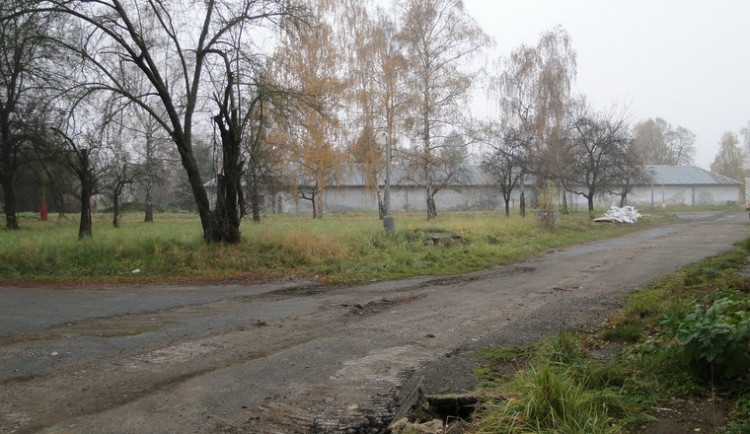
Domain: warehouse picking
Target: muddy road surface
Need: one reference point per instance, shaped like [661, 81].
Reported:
[291, 357]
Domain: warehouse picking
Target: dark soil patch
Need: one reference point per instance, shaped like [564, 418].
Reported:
[681, 416]
[377, 306]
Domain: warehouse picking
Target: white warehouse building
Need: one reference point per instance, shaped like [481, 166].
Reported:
[686, 185]
[668, 186]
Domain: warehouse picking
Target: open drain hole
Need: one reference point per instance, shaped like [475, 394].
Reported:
[450, 407]
[436, 413]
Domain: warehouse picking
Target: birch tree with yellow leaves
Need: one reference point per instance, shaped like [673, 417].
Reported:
[309, 128]
[440, 42]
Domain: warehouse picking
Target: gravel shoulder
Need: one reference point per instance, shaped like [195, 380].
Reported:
[289, 357]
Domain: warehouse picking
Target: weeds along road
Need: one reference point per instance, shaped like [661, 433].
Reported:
[291, 358]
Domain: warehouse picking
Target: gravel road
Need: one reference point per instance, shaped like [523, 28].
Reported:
[292, 357]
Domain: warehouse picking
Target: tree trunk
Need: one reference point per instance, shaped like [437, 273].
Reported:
[87, 189]
[318, 203]
[314, 209]
[199, 192]
[226, 217]
[225, 227]
[522, 200]
[254, 197]
[8, 171]
[85, 228]
[431, 208]
[9, 195]
[625, 190]
[564, 202]
[590, 200]
[255, 205]
[426, 137]
[149, 205]
[429, 191]
[116, 208]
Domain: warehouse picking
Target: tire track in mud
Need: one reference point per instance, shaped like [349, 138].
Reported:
[105, 381]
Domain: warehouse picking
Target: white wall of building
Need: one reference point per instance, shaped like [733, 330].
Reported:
[413, 199]
[404, 199]
[488, 197]
[691, 195]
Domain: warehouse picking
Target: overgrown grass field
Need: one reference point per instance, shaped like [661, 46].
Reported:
[342, 248]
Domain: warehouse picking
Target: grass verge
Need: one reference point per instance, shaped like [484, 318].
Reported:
[687, 337]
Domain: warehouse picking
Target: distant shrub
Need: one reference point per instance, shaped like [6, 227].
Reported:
[547, 207]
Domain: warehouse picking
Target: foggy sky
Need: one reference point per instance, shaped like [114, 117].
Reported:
[686, 62]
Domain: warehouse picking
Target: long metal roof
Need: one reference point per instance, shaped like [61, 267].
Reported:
[687, 175]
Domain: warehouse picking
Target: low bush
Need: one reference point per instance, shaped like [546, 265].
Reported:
[739, 422]
[714, 335]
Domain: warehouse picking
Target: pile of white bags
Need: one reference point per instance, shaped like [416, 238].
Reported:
[626, 214]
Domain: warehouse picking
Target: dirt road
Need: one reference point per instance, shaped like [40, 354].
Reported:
[289, 357]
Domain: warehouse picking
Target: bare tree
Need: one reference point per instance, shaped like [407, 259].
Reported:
[152, 162]
[115, 176]
[244, 120]
[657, 142]
[448, 164]
[631, 172]
[22, 54]
[226, 216]
[263, 173]
[599, 146]
[533, 94]
[131, 132]
[507, 159]
[681, 142]
[171, 45]
[59, 184]
[439, 39]
[140, 134]
[79, 148]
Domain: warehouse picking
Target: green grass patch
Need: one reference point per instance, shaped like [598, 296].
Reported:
[559, 390]
[346, 248]
[624, 332]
